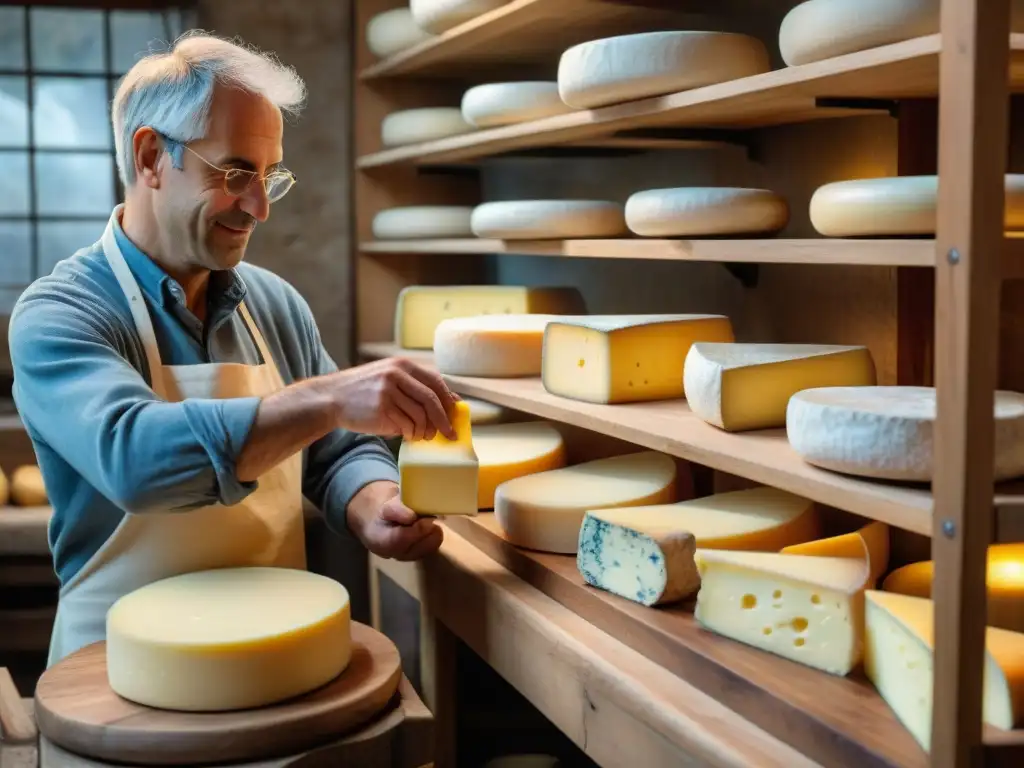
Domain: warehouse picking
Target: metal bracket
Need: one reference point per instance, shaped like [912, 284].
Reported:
[747, 274]
[892, 106]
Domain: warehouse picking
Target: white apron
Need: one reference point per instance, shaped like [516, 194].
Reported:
[266, 528]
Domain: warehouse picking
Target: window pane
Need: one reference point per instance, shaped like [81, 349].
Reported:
[68, 183]
[7, 298]
[12, 38]
[135, 34]
[14, 180]
[67, 40]
[15, 253]
[60, 239]
[70, 112]
[13, 111]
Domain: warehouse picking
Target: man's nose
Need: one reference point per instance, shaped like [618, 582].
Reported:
[255, 201]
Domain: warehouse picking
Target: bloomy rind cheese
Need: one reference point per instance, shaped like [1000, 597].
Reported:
[493, 104]
[705, 212]
[874, 536]
[508, 451]
[440, 476]
[548, 219]
[392, 31]
[422, 221]
[439, 16]
[411, 126]
[500, 346]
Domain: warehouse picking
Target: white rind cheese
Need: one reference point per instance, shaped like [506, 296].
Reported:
[494, 104]
[411, 126]
[439, 16]
[548, 219]
[422, 221]
[705, 212]
[500, 346]
[629, 67]
[393, 31]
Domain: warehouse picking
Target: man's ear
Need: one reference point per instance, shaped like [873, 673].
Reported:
[146, 153]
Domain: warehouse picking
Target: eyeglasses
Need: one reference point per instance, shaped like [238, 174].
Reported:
[237, 180]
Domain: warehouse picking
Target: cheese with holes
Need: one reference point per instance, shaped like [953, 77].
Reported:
[228, 639]
[439, 16]
[629, 67]
[898, 205]
[804, 608]
[392, 31]
[624, 358]
[544, 511]
[440, 476]
[899, 661]
[1004, 584]
[422, 222]
[738, 387]
[411, 126]
[508, 451]
[887, 432]
[645, 553]
[548, 219]
[874, 536]
[421, 308]
[27, 487]
[705, 212]
[494, 104]
[483, 412]
[494, 346]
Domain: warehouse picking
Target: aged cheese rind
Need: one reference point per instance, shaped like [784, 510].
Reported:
[508, 451]
[392, 31]
[705, 212]
[439, 16]
[874, 536]
[494, 104]
[422, 221]
[411, 126]
[494, 346]
[441, 476]
[548, 219]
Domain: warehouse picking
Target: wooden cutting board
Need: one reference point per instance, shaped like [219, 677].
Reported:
[77, 710]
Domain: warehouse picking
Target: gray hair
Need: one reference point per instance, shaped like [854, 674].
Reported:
[171, 92]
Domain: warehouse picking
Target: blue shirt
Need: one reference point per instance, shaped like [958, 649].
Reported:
[107, 446]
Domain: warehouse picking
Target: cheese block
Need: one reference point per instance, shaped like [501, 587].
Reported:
[899, 661]
[440, 476]
[494, 104]
[27, 487]
[1004, 582]
[645, 553]
[804, 608]
[420, 308]
[548, 219]
[392, 31]
[624, 358]
[492, 346]
[508, 451]
[874, 536]
[738, 387]
[613, 70]
[544, 511]
[483, 412]
[439, 16]
[897, 205]
[887, 432]
[228, 639]
[410, 126]
[422, 221]
[705, 212]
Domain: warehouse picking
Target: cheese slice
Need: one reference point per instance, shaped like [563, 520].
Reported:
[410, 126]
[544, 511]
[1004, 582]
[548, 219]
[739, 387]
[27, 487]
[624, 358]
[228, 639]
[483, 412]
[887, 432]
[898, 205]
[508, 451]
[421, 308]
[899, 661]
[874, 536]
[440, 476]
[422, 221]
[494, 104]
[645, 553]
[804, 608]
[705, 212]
[439, 16]
[497, 346]
[392, 31]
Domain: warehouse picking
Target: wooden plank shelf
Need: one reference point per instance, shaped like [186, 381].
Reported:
[23, 530]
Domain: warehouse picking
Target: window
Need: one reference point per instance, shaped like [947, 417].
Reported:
[59, 68]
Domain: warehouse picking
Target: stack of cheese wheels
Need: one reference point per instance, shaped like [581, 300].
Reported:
[897, 205]
[548, 219]
[508, 451]
[422, 221]
[629, 67]
[393, 31]
[498, 346]
[493, 104]
[439, 16]
[409, 126]
[705, 211]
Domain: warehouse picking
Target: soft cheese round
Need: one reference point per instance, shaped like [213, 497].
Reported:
[228, 639]
[705, 211]
[629, 67]
[508, 451]
[493, 104]
[422, 221]
[500, 346]
[410, 126]
[548, 219]
[887, 432]
[392, 31]
[439, 16]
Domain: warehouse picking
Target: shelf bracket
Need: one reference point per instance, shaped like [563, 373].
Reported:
[747, 274]
[891, 106]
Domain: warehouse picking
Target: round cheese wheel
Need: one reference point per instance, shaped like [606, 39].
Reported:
[422, 221]
[508, 451]
[895, 205]
[548, 219]
[410, 126]
[27, 487]
[499, 346]
[438, 16]
[496, 104]
[392, 31]
[886, 432]
[228, 639]
[629, 67]
[483, 412]
[705, 211]
[4, 489]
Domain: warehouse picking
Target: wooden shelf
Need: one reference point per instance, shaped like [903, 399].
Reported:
[23, 530]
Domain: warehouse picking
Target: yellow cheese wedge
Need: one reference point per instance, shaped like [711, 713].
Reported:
[624, 358]
[440, 476]
[420, 308]
[27, 487]
[228, 639]
[544, 511]
[899, 660]
[483, 412]
[1004, 584]
[874, 536]
[508, 451]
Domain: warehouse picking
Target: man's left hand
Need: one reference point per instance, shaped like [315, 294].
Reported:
[388, 528]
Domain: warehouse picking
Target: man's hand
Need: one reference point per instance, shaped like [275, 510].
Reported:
[388, 528]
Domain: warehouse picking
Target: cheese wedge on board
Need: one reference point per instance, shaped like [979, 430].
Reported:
[624, 358]
[548, 219]
[508, 451]
[411, 126]
[440, 476]
[392, 31]
[422, 222]
[494, 104]
[491, 346]
[705, 212]
[874, 536]
[739, 387]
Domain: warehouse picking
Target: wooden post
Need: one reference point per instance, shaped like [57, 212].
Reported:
[973, 132]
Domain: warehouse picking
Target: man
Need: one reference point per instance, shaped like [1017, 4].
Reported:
[180, 401]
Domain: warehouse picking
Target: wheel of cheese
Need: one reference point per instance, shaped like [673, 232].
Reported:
[438, 16]
[228, 639]
[410, 126]
[483, 412]
[392, 31]
[548, 219]
[508, 451]
[27, 487]
[496, 104]
[629, 67]
[422, 221]
[886, 432]
[4, 489]
[705, 211]
[500, 346]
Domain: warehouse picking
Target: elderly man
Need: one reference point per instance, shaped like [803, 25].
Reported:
[179, 400]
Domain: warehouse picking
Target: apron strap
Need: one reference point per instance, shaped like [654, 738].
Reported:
[257, 336]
